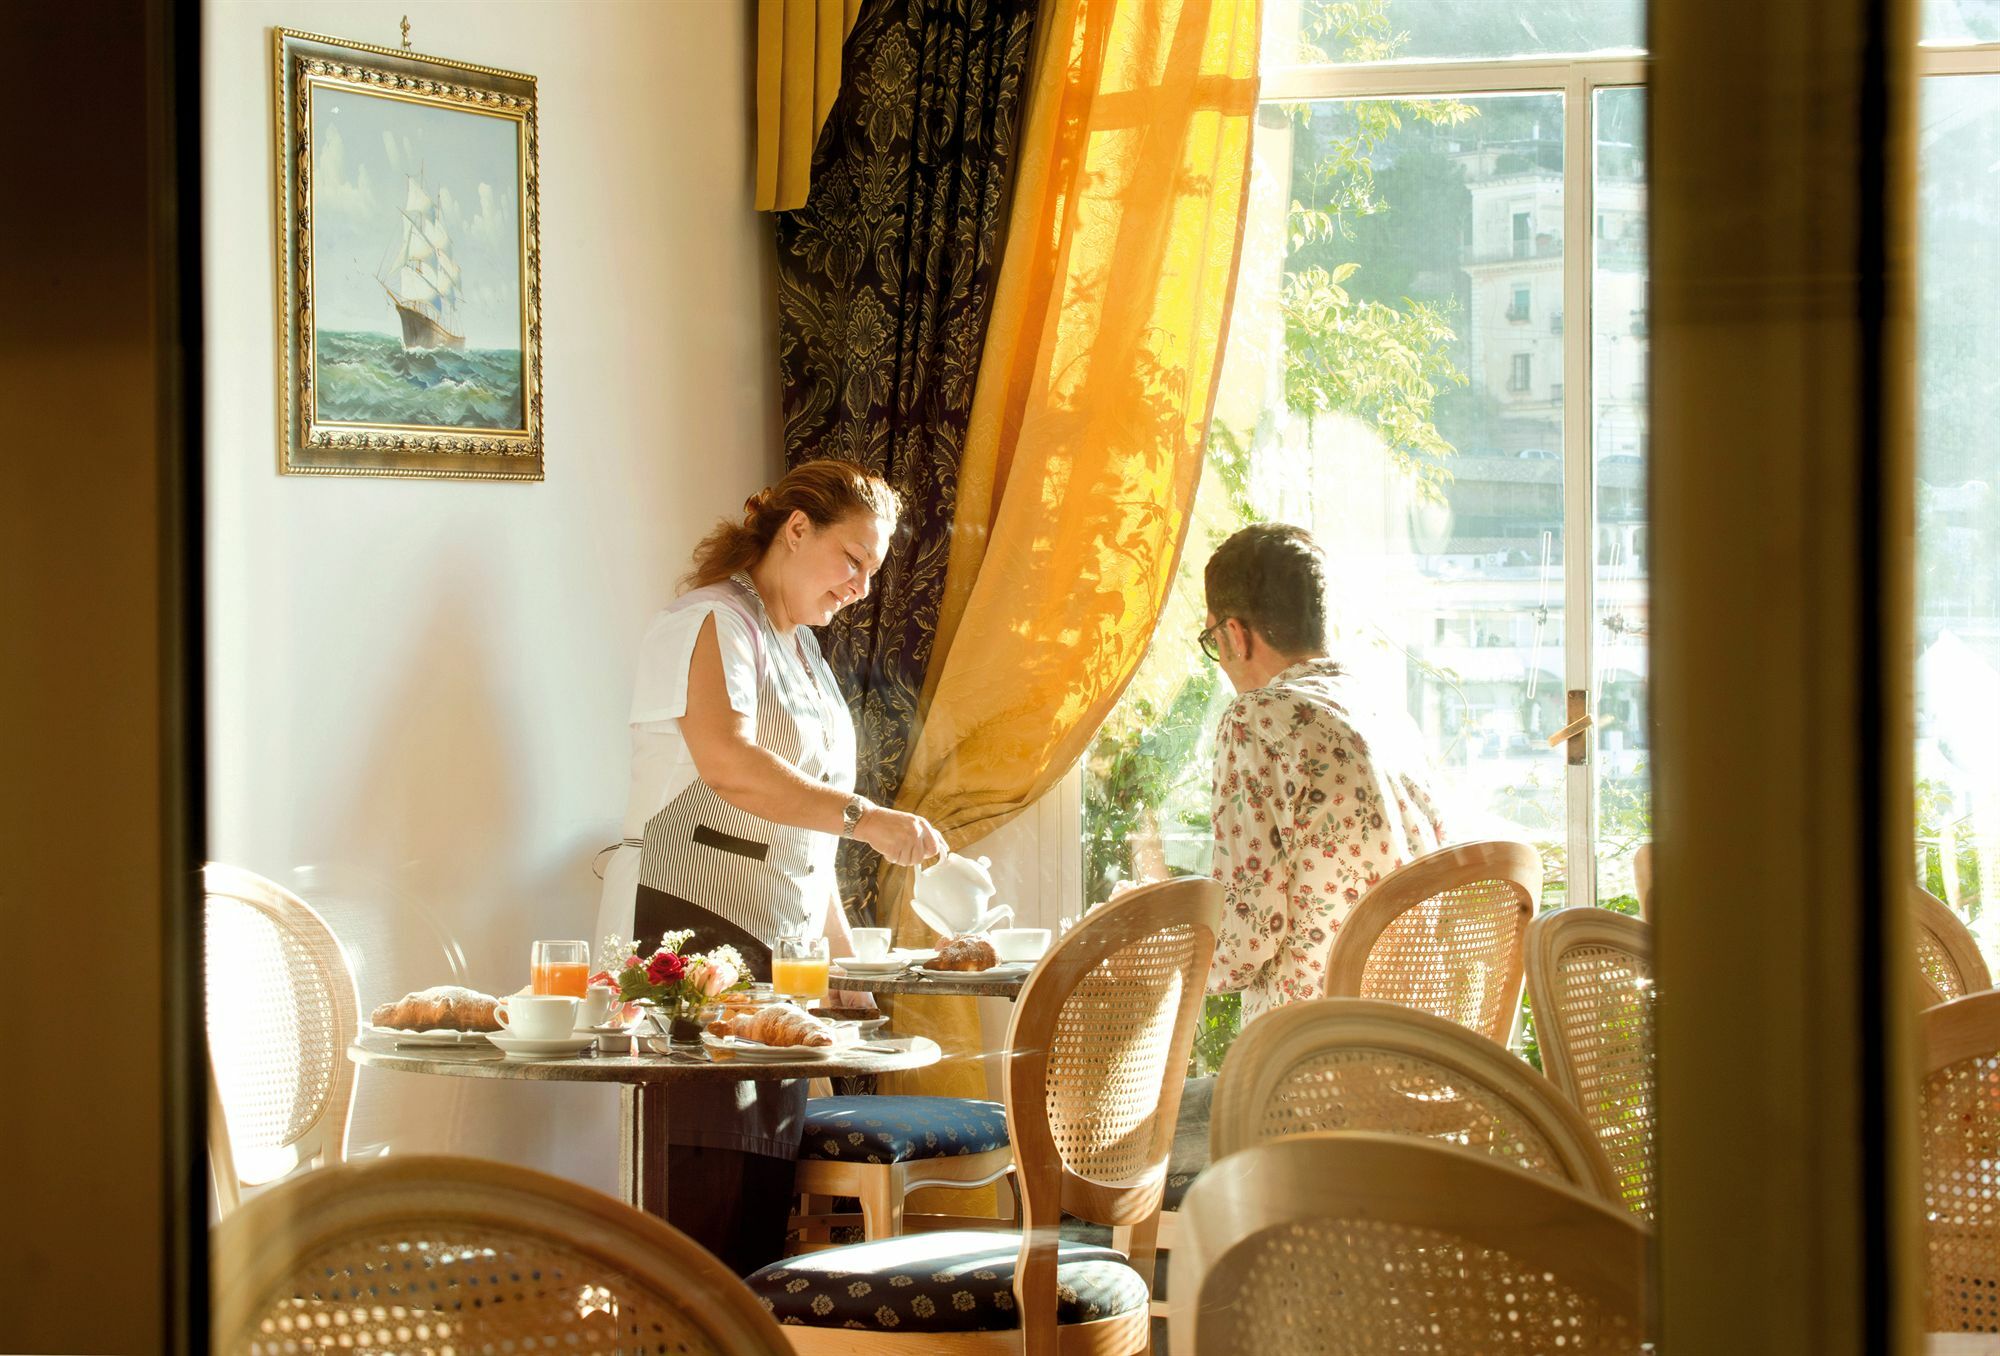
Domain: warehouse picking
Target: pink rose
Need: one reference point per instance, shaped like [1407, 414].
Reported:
[714, 979]
[666, 968]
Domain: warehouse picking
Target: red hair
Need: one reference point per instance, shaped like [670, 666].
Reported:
[827, 491]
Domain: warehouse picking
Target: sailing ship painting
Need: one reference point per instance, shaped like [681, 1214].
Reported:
[427, 283]
[418, 317]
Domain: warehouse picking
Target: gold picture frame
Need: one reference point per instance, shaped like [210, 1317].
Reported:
[409, 256]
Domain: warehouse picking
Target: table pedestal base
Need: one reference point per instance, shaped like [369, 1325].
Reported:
[642, 1146]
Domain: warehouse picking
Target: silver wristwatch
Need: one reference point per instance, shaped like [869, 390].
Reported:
[850, 815]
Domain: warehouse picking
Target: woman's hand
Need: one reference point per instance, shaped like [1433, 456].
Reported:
[906, 840]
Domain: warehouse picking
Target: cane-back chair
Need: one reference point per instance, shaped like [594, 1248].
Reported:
[281, 1011]
[1443, 934]
[1096, 1055]
[1949, 962]
[459, 1254]
[1361, 1064]
[1960, 1132]
[1348, 1242]
[1590, 985]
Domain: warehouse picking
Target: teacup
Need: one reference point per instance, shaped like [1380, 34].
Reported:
[595, 1008]
[870, 944]
[537, 1016]
[1019, 944]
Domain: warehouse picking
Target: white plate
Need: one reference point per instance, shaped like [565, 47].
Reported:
[522, 1047]
[608, 1030]
[438, 1037]
[752, 1052]
[1004, 970]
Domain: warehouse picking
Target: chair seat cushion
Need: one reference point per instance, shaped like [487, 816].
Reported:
[949, 1281]
[900, 1129]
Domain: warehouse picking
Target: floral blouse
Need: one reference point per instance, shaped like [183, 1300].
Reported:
[1316, 799]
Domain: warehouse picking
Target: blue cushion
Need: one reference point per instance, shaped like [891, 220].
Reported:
[950, 1281]
[899, 1129]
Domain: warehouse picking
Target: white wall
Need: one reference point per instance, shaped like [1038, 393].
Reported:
[417, 690]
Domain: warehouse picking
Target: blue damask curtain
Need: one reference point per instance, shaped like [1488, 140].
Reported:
[885, 280]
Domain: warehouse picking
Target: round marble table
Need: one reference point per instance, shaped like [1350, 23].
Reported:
[645, 1082]
[966, 983]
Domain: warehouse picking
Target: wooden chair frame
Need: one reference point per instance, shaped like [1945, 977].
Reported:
[1270, 1048]
[1048, 1186]
[882, 1188]
[1415, 883]
[1550, 937]
[255, 1250]
[324, 1140]
[1955, 941]
[1595, 1247]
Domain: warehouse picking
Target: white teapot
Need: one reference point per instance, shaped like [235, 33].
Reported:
[951, 896]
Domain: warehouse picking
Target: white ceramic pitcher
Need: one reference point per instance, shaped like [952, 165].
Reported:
[952, 896]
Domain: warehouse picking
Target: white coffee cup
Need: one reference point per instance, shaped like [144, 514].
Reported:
[537, 1016]
[1019, 944]
[870, 944]
[596, 1005]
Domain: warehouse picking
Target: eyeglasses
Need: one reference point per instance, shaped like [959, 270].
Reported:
[1206, 640]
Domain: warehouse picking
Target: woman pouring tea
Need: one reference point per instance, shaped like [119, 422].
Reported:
[742, 787]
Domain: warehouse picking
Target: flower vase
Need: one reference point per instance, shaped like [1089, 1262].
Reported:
[676, 1021]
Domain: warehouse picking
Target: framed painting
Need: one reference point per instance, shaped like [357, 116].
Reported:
[409, 264]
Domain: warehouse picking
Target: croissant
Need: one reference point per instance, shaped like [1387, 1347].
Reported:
[779, 1024]
[965, 953]
[446, 1007]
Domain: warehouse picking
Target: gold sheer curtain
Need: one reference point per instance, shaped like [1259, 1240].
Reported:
[798, 73]
[1092, 403]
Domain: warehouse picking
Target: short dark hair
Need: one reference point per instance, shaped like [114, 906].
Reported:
[1272, 578]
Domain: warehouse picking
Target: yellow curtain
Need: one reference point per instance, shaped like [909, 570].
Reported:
[798, 74]
[1092, 404]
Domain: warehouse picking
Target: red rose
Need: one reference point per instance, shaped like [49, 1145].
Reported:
[666, 968]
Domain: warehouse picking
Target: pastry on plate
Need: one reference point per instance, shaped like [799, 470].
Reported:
[965, 953]
[445, 1007]
[778, 1024]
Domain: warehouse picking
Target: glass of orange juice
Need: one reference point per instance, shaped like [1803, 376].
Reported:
[560, 967]
[798, 967]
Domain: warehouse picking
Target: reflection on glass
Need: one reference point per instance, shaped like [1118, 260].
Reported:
[1958, 493]
[1621, 753]
[1343, 32]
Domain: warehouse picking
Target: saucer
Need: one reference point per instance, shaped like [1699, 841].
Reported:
[607, 1030]
[902, 958]
[524, 1047]
[752, 1052]
[1004, 970]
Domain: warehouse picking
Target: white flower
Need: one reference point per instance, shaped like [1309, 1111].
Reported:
[727, 955]
[674, 941]
[611, 953]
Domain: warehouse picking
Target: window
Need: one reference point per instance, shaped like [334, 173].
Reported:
[1461, 516]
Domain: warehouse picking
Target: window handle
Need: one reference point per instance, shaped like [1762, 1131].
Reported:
[1575, 734]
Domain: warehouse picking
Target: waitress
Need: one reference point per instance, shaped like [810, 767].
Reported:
[742, 787]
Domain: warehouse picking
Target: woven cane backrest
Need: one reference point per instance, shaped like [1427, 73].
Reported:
[281, 1011]
[1444, 934]
[1590, 984]
[1360, 1064]
[1960, 1135]
[452, 1254]
[1328, 1244]
[1948, 957]
[1098, 1051]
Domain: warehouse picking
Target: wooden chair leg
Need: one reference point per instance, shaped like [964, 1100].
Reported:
[815, 1230]
[881, 1199]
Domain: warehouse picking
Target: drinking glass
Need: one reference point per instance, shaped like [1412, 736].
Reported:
[798, 967]
[560, 967]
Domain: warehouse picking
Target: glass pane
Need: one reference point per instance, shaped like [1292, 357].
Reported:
[1393, 383]
[1342, 32]
[1623, 784]
[1958, 496]
[1958, 22]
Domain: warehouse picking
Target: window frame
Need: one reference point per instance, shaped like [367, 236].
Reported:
[1578, 79]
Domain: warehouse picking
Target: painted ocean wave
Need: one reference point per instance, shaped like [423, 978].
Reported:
[371, 379]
